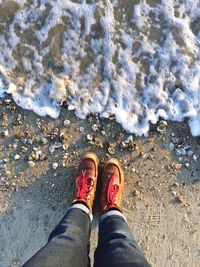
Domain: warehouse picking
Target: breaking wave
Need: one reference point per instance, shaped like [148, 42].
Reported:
[137, 60]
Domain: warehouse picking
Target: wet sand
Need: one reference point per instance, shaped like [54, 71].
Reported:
[161, 198]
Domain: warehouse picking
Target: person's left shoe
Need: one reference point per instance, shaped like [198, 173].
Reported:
[86, 180]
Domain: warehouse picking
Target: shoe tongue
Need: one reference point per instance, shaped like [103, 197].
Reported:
[116, 176]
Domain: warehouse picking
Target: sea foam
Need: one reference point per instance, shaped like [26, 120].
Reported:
[136, 60]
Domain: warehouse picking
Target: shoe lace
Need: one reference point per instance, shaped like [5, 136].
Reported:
[84, 185]
[112, 190]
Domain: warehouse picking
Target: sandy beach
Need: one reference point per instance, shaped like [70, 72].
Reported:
[38, 157]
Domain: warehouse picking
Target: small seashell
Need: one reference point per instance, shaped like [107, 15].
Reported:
[90, 137]
[5, 133]
[187, 165]
[57, 144]
[30, 141]
[65, 146]
[124, 145]
[16, 157]
[176, 166]
[31, 163]
[55, 165]
[111, 150]
[15, 145]
[143, 155]
[98, 142]
[66, 123]
[63, 137]
[129, 139]
[195, 157]
[180, 198]
[162, 126]
[51, 149]
[95, 127]
[37, 155]
[24, 149]
[30, 157]
[81, 129]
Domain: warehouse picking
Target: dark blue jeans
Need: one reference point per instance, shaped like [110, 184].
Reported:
[68, 244]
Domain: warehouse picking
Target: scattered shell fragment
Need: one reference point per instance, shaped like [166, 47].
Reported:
[66, 123]
[128, 143]
[180, 198]
[5, 133]
[63, 137]
[95, 127]
[174, 193]
[57, 144]
[187, 165]
[176, 166]
[51, 149]
[30, 141]
[15, 146]
[31, 163]
[55, 165]
[65, 146]
[90, 137]
[195, 157]
[81, 129]
[162, 125]
[111, 149]
[98, 142]
[16, 157]
[24, 149]
[124, 145]
[136, 193]
[129, 139]
[37, 154]
[143, 155]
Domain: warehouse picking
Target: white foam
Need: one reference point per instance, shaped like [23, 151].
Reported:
[137, 62]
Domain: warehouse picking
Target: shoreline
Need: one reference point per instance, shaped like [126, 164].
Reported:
[161, 198]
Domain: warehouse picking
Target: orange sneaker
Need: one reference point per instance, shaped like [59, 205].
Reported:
[86, 180]
[113, 185]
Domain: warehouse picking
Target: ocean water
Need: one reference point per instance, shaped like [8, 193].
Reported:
[138, 60]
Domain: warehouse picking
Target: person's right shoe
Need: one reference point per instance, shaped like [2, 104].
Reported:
[86, 180]
[112, 186]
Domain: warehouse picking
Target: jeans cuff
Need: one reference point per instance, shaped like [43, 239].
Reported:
[111, 213]
[81, 207]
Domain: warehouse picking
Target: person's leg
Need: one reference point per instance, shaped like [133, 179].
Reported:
[117, 246]
[68, 244]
